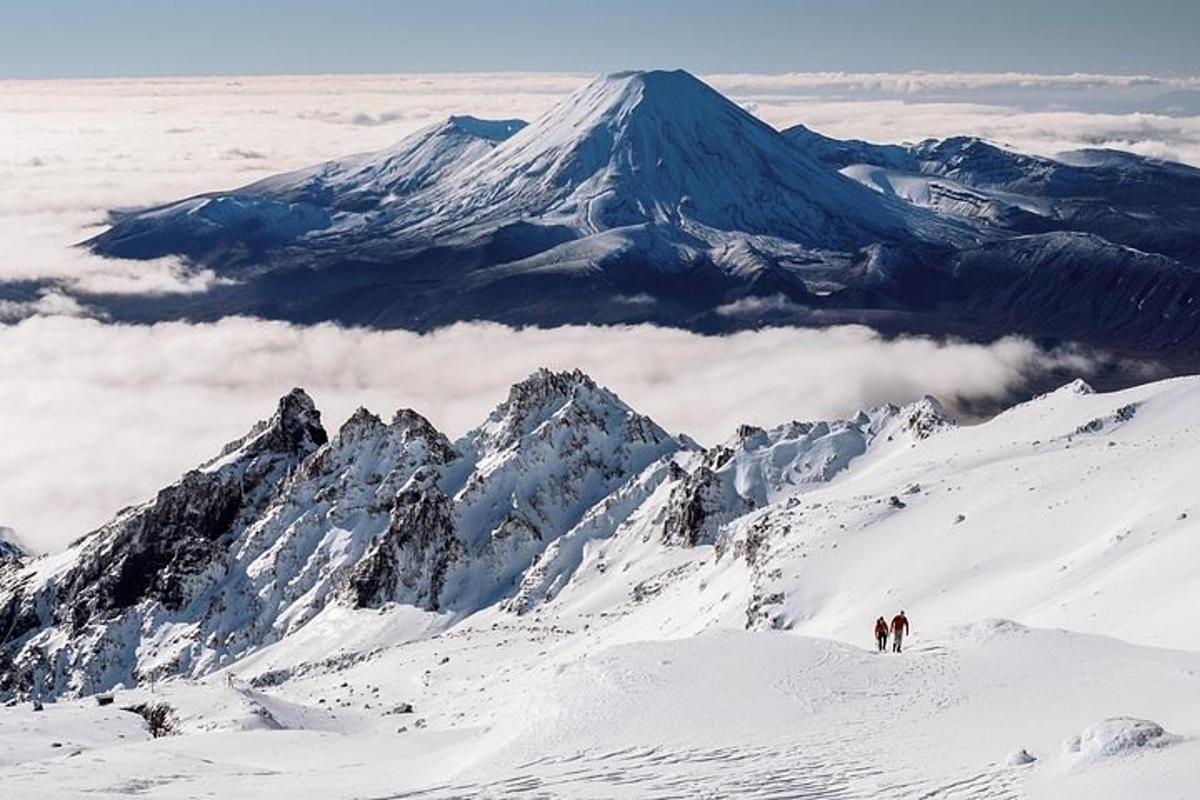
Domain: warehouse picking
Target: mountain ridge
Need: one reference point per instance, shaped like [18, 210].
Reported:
[288, 521]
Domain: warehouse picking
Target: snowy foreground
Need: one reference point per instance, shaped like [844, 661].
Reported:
[691, 634]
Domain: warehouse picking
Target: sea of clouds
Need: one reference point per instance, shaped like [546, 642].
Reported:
[94, 416]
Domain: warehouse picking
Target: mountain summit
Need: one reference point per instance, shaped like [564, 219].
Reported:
[663, 148]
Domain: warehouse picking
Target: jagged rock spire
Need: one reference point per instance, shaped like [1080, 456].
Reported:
[295, 427]
[256, 543]
[531, 401]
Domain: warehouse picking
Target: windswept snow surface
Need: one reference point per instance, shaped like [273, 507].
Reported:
[703, 627]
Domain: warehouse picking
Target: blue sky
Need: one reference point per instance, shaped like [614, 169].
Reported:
[50, 38]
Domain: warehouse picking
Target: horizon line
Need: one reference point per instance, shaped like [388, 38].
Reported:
[1071, 75]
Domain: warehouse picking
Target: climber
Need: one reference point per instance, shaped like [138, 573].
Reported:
[881, 633]
[899, 628]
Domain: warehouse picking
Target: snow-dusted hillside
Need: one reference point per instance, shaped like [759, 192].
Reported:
[649, 197]
[1128, 200]
[571, 602]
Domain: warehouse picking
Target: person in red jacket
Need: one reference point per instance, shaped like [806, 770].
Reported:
[881, 633]
[899, 628]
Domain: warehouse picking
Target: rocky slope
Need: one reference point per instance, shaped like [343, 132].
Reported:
[707, 622]
[289, 521]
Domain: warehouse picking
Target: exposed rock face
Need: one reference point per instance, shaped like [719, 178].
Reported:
[699, 504]
[163, 550]
[410, 559]
[152, 560]
[287, 521]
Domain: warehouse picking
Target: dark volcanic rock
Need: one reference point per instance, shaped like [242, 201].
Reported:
[410, 559]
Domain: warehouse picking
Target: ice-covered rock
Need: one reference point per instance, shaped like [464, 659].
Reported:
[1118, 736]
[758, 467]
[87, 608]
[1020, 758]
[555, 448]
[630, 507]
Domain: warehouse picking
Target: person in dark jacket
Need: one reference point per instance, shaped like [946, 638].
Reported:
[899, 629]
[881, 633]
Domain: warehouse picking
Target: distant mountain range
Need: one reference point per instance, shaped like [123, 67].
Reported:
[650, 197]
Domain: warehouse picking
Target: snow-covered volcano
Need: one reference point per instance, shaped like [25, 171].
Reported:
[650, 197]
[629, 149]
[663, 148]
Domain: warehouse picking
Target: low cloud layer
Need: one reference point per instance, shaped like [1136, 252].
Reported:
[1079, 90]
[99, 416]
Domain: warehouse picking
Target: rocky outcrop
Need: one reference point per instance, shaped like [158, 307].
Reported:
[256, 542]
[159, 556]
[163, 550]
[411, 558]
[287, 521]
[757, 467]
[700, 503]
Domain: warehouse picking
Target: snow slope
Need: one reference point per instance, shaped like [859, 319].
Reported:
[623, 614]
[503, 713]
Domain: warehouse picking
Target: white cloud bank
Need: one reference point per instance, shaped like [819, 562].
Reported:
[95, 416]
[98, 416]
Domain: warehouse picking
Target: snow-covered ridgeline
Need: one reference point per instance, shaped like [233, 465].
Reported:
[287, 520]
[568, 503]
